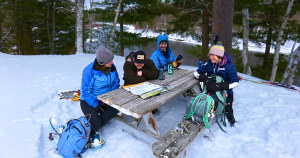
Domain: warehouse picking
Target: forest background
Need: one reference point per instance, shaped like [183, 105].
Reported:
[62, 27]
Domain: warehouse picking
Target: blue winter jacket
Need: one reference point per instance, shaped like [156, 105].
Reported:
[228, 72]
[95, 82]
[159, 57]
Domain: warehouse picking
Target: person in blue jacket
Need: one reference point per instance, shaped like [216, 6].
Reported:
[221, 65]
[98, 77]
[164, 55]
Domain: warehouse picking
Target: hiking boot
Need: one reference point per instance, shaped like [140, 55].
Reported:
[231, 120]
[96, 141]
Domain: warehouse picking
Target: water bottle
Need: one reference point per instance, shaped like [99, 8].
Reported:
[161, 73]
[170, 69]
[200, 63]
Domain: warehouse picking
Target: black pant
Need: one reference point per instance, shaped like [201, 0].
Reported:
[98, 121]
[228, 107]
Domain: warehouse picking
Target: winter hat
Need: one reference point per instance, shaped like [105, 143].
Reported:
[217, 50]
[139, 57]
[166, 41]
[104, 56]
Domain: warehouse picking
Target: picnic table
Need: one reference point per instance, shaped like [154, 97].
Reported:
[140, 109]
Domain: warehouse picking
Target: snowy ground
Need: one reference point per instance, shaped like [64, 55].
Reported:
[268, 117]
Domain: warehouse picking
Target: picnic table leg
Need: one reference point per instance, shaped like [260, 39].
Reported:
[197, 88]
[151, 124]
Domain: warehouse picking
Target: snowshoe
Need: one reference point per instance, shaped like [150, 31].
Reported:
[96, 141]
[74, 95]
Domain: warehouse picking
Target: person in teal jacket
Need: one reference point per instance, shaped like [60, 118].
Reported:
[98, 77]
[164, 55]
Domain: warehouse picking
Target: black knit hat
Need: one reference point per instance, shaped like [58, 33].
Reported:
[166, 41]
[139, 57]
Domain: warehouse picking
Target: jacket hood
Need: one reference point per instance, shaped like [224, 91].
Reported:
[163, 37]
[129, 56]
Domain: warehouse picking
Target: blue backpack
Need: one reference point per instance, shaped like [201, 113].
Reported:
[75, 138]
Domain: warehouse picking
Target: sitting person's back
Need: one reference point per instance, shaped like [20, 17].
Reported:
[137, 68]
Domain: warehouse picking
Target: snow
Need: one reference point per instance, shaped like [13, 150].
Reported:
[268, 117]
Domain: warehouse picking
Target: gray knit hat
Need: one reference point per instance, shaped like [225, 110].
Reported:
[104, 56]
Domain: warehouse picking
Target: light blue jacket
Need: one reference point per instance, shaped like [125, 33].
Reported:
[159, 57]
[95, 82]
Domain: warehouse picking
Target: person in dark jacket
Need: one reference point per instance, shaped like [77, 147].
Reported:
[137, 68]
[164, 55]
[98, 77]
[221, 65]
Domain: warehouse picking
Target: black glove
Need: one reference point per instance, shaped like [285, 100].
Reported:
[179, 59]
[217, 87]
[101, 108]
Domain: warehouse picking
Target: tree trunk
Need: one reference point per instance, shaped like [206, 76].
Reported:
[79, 26]
[289, 66]
[53, 27]
[121, 31]
[294, 67]
[279, 40]
[223, 22]
[245, 41]
[114, 25]
[17, 27]
[269, 39]
[205, 32]
[91, 27]
[48, 29]
[76, 2]
[83, 41]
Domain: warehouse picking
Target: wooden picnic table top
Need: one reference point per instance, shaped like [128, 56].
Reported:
[135, 106]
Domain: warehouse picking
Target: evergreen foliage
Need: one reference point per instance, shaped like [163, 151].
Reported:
[29, 35]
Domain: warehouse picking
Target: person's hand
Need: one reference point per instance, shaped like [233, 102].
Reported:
[139, 73]
[179, 59]
[217, 87]
[102, 108]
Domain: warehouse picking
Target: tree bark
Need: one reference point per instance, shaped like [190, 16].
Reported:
[17, 27]
[223, 22]
[48, 29]
[205, 31]
[114, 25]
[53, 27]
[83, 41]
[279, 40]
[79, 26]
[289, 66]
[294, 67]
[91, 27]
[121, 31]
[269, 38]
[245, 41]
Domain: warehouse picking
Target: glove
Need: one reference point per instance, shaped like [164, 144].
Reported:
[217, 87]
[102, 108]
[179, 59]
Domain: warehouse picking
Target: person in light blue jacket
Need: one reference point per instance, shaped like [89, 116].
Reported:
[98, 77]
[164, 55]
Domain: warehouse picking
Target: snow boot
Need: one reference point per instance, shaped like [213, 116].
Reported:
[96, 141]
[231, 120]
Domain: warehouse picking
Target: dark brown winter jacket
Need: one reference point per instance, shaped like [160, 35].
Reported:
[149, 71]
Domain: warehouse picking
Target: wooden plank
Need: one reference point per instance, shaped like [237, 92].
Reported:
[162, 99]
[175, 88]
[176, 141]
[151, 124]
[134, 126]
